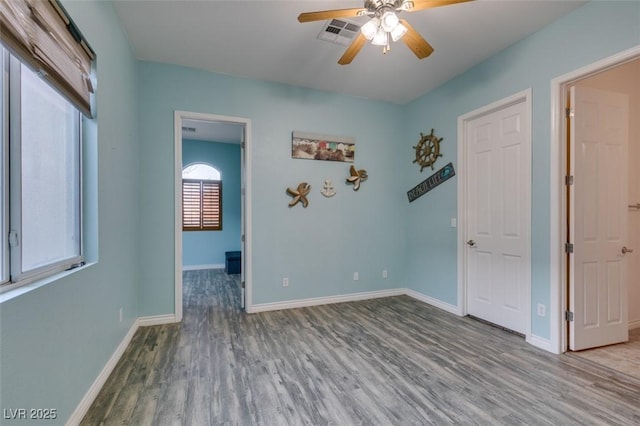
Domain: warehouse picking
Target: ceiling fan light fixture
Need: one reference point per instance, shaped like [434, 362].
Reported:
[370, 29]
[397, 33]
[389, 20]
[380, 39]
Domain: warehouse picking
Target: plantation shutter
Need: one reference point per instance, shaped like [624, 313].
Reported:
[211, 217]
[201, 205]
[42, 35]
[190, 205]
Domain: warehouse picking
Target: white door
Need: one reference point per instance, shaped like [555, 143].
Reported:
[598, 218]
[498, 204]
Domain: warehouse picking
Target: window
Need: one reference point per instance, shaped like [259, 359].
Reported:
[201, 198]
[41, 177]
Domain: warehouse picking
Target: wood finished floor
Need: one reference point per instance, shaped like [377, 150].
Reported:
[392, 361]
[623, 357]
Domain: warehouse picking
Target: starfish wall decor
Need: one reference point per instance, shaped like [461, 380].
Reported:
[357, 176]
[300, 195]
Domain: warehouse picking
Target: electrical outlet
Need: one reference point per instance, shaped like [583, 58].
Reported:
[541, 310]
[356, 277]
[385, 275]
[285, 282]
[120, 314]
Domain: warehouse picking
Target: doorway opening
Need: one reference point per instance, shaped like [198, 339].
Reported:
[617, 77]
[216, 241]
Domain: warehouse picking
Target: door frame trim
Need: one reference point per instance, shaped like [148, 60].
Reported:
[245, 210]
[463, 120]
[558, 192]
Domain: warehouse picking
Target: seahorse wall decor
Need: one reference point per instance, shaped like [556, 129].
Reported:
[300, 195]
[357, 176]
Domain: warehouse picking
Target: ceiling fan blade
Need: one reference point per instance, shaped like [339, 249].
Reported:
[428, 4]
[353, 49]
[414, 41]
[323, 15]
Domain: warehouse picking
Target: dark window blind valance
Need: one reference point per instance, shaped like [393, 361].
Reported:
[43, 36]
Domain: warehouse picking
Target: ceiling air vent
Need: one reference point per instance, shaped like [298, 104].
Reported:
[188, 129]
[339, 31]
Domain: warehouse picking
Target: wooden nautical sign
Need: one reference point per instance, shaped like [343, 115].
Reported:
[442, 175]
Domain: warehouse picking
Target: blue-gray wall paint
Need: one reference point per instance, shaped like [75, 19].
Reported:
[317, 248]
[592, 32]
[57, 338]
[208, 247]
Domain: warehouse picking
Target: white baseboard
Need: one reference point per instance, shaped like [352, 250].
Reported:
[92, 393]
[314, 301]
[200, 267]
[157, 320]
[453, 309]
[302, 303]
[634, 324]
[541, 343]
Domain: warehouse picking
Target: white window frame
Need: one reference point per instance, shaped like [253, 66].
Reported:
[4, 166]
[11, 252]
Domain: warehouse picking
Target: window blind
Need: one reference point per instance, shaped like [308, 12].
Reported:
[42, 35]
[201, 205]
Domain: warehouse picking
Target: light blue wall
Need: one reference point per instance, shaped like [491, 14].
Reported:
[56, 339]
[595, 31]
[317, 248]
[208, 247]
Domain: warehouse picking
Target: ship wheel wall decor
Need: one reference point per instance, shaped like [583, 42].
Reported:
[427, 150]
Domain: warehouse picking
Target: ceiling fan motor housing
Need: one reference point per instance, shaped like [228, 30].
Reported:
[379, 7]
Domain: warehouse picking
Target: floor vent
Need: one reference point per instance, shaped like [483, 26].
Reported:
[339, 31]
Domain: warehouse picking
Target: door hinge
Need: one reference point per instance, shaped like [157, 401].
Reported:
[568, 112]
[242, 238]
[568, 180]
[242, 284]
[242, 145]
[13, 239]
[568, 248]
[568, 316]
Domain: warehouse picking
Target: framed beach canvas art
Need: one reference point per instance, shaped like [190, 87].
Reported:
[311, 146]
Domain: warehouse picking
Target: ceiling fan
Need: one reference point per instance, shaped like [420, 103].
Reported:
[384, 26]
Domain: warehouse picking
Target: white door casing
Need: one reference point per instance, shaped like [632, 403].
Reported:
[243, 218]
[598, 218]
[496, 211]
[245, 210]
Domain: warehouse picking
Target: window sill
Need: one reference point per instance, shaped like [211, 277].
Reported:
[19, 291]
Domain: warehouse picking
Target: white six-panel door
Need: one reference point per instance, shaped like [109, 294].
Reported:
[498, 205]
[598, 211]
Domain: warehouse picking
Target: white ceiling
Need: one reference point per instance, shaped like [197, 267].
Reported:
[262, 39]
[212, 131]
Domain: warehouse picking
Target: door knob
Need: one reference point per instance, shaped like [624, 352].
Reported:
[626, 250]
[471, 243]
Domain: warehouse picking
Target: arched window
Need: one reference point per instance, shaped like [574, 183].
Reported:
[201, 198]
[200, 171]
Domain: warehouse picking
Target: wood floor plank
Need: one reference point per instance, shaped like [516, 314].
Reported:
[382, 361]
